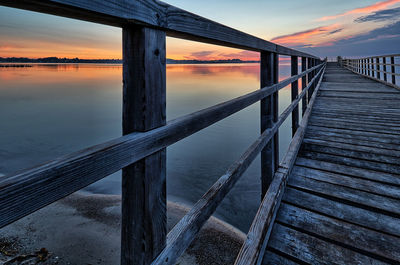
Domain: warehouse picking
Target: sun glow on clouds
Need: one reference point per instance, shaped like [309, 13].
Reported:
[345, 26]
[362, 10]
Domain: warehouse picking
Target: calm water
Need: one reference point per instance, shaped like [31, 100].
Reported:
[51, 110]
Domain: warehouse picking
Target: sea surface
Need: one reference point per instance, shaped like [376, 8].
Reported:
[49, 110]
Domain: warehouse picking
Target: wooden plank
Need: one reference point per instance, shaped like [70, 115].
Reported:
[382, 246]
[267, 119]
[349, 213]
[346, 125]
[363, 152]
[353, 162]
[365, 116]
[144, 212]
[312, 250]
[25, 190]
[271, 258]
[358, 183]
[347, 195]
[369, 136]
[349, 171]
[176, 22]
[353, 120]
[295, 92]
[350, 139]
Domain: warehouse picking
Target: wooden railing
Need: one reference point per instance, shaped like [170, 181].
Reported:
[379, 68]
[141, 151]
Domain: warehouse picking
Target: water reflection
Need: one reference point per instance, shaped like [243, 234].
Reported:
[54, 109]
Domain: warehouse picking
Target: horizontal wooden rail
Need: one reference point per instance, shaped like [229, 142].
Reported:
[180, 237]
[30, 190]
[152, 13]
[373, 67]
[254, 246]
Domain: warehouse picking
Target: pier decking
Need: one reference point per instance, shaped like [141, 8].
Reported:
[341, 204]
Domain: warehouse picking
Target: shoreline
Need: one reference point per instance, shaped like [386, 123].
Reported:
[68, 229]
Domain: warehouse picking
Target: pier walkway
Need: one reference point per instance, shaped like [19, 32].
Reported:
[341, 204]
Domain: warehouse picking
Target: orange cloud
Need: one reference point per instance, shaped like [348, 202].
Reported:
[368, 9]
[305, 37]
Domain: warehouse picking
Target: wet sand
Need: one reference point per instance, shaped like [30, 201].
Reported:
[85, 229]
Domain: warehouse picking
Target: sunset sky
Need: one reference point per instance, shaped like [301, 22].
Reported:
[324, 28]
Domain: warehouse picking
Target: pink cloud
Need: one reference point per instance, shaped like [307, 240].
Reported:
[367, 9]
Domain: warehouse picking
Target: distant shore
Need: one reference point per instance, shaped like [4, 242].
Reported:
[21, 60]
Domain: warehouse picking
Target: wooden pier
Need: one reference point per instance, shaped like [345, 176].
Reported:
[342, 200]
[333, 198]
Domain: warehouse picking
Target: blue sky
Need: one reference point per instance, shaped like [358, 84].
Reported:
[325, 28]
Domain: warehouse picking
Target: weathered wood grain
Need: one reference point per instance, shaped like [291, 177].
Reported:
[144, 212]
[368, 200]
[266, 121]
[382, 246]
[176, 22]
[349, 213]
[271, 258]
[294, 93]
[349, 181]
[303, 84]
[312, 250]
[349, 170]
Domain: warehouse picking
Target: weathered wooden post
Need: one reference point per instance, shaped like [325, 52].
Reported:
[303, 84]
[276, 108]
[378, 68]
[267, 116]
[369, 67]
[372, 67]
[295, 92]
[384, 69]
[393, 70]
[309, 78]
[144, 219]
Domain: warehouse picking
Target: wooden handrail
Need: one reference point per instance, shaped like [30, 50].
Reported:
[153, 13]
[20, 193]
[371, 67]
[187, 228]
[254, 246]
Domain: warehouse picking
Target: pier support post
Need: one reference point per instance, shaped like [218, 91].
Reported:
[378, 68]
[384, 68]
[393, 70]
[303, 85]
[295, 93]
[144, 220]
[309, 78]
[369, 67]
[268, 109]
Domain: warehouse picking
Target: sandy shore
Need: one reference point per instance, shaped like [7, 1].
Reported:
[85, 229]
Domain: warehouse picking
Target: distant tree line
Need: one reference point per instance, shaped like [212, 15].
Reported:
[109, 61]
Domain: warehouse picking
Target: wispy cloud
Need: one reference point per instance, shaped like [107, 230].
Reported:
[305, 37]
[383, 15]
[362, 10]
